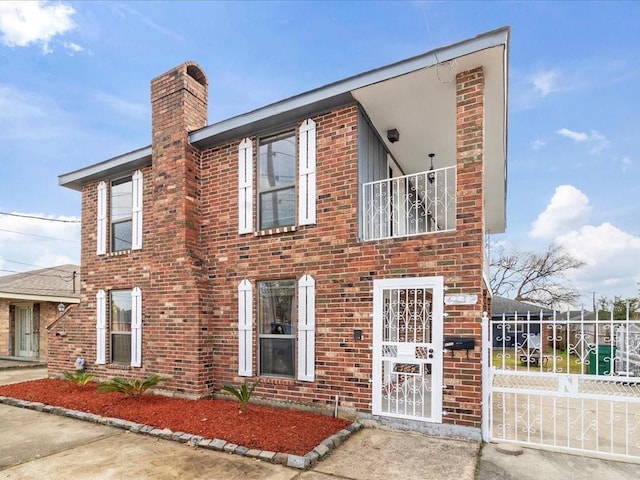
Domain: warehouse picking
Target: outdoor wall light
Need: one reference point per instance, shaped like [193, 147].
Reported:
[431, 176]
[393, 135]
[61, 307]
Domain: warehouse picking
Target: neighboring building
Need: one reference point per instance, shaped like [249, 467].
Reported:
[29, 303]
[307, 243]
[514, 322]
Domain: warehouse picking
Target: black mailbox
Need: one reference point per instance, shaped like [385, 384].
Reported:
[458, 343]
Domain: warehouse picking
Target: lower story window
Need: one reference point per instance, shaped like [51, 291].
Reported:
[276, 327]
[121, 326]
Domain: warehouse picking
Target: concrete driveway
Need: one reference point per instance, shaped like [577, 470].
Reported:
[41, 445]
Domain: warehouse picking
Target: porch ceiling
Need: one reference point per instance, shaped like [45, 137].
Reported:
[421, 106]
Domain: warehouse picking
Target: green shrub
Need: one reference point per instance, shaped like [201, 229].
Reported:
[130, 388]
[243, 394]
[79, 378]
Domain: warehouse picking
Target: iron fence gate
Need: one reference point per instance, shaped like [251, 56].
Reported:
[566, 382]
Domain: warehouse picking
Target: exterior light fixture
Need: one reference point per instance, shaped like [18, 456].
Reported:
[431, 176]
[393, 135]
[61, 307]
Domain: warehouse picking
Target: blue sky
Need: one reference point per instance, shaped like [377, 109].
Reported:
[74, 90]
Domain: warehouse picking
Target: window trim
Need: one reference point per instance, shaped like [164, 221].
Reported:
[112, 333]
[290, 336]
[121, 219]
[262, 140]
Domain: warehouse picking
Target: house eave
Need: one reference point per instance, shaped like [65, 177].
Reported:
[39, 298]
[286, 111]
[112, 167]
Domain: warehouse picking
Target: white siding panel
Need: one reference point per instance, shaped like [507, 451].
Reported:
[306, 328]
[307, 173]
[245, 329]
[101, 327]
[101, 234]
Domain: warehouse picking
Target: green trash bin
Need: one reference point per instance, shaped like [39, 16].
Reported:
[600, 362]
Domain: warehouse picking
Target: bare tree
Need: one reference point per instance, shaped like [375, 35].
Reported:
[534, 277]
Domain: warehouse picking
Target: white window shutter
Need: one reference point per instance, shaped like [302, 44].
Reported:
[136, 327]
[136, 223]
[101, 327]
[101, 247]
[245, 186]
[307, 173]
[306, 328]
[245, 329]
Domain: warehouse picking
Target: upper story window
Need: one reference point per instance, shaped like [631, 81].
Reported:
[121, 214]
[277, 181]
[286, 184]
[120, 226]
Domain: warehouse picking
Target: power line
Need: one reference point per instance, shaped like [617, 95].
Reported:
[67, 278]
[39, 236]
[31, 265]
[35, 217]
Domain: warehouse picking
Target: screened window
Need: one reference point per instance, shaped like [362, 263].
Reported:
[121, 214]
[277, 181]
[121, 326]
[276, 327]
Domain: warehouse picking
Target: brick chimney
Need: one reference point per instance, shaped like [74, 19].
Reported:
[178, 106]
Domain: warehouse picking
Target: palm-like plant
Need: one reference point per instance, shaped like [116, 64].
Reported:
[80, 378]
[243, 394]
[130, 388]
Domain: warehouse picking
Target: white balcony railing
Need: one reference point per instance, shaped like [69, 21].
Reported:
[415, 204]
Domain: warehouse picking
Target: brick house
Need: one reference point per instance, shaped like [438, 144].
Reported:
[307, 244]
[29, 303]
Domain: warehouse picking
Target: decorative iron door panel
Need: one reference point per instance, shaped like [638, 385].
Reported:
[407, 348]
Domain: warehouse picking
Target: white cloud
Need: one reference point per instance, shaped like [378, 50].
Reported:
[626, 163]
[567, 210]
[545, 83]
[40, 243]
[597, 141]
[612, 259]
[538, 144]
[576, 136]
[37, 22]
[611, 255]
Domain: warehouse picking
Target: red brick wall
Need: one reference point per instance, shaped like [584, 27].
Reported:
[193, 260]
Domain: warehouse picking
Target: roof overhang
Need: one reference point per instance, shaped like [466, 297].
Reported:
[39, 298]
[114, 166]
[413, 96]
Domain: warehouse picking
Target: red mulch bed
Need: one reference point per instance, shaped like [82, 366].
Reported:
[262, 428]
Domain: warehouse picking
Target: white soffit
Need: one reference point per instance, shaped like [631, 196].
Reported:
[421, 105]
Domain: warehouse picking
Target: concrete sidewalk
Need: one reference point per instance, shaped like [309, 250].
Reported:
[42, 445]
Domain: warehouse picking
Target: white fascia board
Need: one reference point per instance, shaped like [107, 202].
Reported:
[39, 298]
[116, 165]
[324, 95]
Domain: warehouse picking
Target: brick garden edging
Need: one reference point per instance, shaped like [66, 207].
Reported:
[296, 461]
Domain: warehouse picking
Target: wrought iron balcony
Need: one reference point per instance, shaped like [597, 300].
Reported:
[414, 204]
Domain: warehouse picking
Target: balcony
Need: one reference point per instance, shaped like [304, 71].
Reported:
[411, 205]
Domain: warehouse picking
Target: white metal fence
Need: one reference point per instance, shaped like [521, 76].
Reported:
[410, 205]
[568, 382]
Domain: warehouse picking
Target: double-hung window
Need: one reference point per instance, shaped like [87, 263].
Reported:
[121, 214]
[124, 216]
[277, 327]
[119, 329]
[121, 307]
[277, 181]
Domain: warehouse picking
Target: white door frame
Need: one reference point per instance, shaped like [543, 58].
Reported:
[24, 332]
[423, 356]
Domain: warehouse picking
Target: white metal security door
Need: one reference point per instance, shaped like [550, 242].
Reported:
[26, 341]
[407, 348]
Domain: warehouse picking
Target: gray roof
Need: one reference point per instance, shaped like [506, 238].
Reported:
[55, 284]
[500, 305]
[319, 99]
